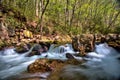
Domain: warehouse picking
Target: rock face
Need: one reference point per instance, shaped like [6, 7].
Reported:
[85, 42]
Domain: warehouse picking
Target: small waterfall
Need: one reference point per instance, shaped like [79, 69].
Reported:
[103, 65]
[59, 52]
[61, 49]
[10, 51]
[13, 63]
[104, 49]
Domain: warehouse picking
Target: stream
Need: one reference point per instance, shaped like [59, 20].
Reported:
[102, 64]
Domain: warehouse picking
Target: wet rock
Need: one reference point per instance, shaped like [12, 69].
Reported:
[40, 48]
[83, 43]
[37, 50]
[115, 45]
[45, 46]
[113, 40]
[69, 56]
[43, 65]
[56, 74]
[37, 47]
[21, 48]
[46, 65]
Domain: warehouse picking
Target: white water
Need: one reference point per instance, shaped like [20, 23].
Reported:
[12, 63]
[103, 64]
[59, 52]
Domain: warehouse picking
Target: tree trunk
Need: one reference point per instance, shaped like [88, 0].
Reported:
[73, 12]
[43, 9]
[67, 13]
[37, 8]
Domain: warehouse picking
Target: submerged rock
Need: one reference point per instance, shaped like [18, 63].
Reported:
[57, 73]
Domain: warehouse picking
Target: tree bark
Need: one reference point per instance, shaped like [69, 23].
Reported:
[37, 8]
[43, 9]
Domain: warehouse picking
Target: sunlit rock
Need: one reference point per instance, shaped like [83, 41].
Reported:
[62, 39]
[28, 34]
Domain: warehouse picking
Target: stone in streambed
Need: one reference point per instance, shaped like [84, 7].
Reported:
[57, 73]
[83, 43]
[46, 65]
[69, 56]
[22, 48]
[43, 65]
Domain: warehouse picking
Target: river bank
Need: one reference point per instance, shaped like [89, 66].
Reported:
[82, 43]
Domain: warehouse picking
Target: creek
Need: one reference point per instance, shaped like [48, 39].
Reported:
[103, 63]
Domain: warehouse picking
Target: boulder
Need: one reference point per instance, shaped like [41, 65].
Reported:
[43, 65]
[23, 47]
[83, 43]
[47, 65]
[56, 74]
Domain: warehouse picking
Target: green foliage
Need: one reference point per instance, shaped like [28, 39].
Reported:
[117, 30]
[25, 7]
[11, 22]
[71, 16]
[75, 30]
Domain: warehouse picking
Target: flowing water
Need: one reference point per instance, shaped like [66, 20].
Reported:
[102, 64]
[13, 63]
